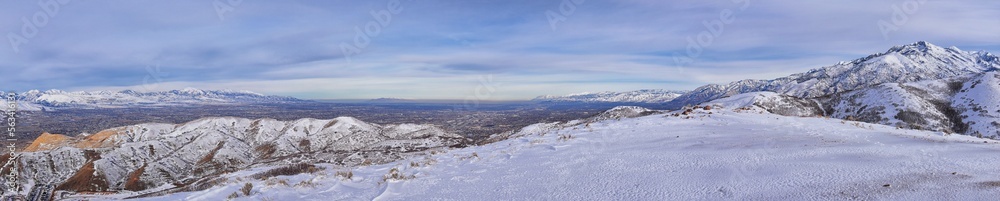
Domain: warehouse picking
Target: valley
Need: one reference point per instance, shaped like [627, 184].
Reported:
[474, 122]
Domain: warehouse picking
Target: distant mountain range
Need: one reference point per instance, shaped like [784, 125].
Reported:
[639, 96]
[53, 99]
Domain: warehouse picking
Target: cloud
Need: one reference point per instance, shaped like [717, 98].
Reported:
[438, 49]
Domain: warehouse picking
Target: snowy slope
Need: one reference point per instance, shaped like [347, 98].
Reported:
[979, 104]
[962, 104]
[725, 155]
[771, 102]
[639, 96]
[35, 100]
[921, 105]
[145, 156]
[900, 64]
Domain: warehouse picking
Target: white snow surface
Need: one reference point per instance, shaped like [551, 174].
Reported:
[771, 102]
[720, 154]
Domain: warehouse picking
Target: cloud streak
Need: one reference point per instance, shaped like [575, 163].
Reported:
[438, 49]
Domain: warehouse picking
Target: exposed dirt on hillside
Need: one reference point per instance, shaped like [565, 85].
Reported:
[48, 141]
[85, 180]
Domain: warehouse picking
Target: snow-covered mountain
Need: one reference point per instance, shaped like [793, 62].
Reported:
[968, 104]
[964, 104]
[164, 156]
[771, 102]
[639, 96]
[900, 64]
[36, 100]
[716, 154]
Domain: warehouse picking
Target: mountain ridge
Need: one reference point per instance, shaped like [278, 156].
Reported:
[35, 100]
[905, 63]
[637, 96]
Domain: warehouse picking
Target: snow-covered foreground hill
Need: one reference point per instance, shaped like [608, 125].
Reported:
[720, 154]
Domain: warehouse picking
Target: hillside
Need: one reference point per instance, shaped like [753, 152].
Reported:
[900, 64]
[155, 157]
[719, 154]
[963, 104]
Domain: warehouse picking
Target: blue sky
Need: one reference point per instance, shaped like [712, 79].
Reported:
[498, 50]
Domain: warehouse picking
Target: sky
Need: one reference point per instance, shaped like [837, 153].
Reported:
[459, 49]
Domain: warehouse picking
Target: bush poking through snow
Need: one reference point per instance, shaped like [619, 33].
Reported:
[307, 183]
[287, 170]
[474, 155]
[247, 188]
[346, 175]
[276, 181]
[565, 137]
[426, 162]
[395, 175]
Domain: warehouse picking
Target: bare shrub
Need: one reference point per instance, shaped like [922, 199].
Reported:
[565, 137]
[247, 188]
[307, 183]
[395, 175]
[287, 170]
[347, 175]
[275, 181]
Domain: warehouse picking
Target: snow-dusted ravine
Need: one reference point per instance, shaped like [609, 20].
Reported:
[725, 155]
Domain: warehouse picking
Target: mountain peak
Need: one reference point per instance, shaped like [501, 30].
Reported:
[192, 91]
[917, 47]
